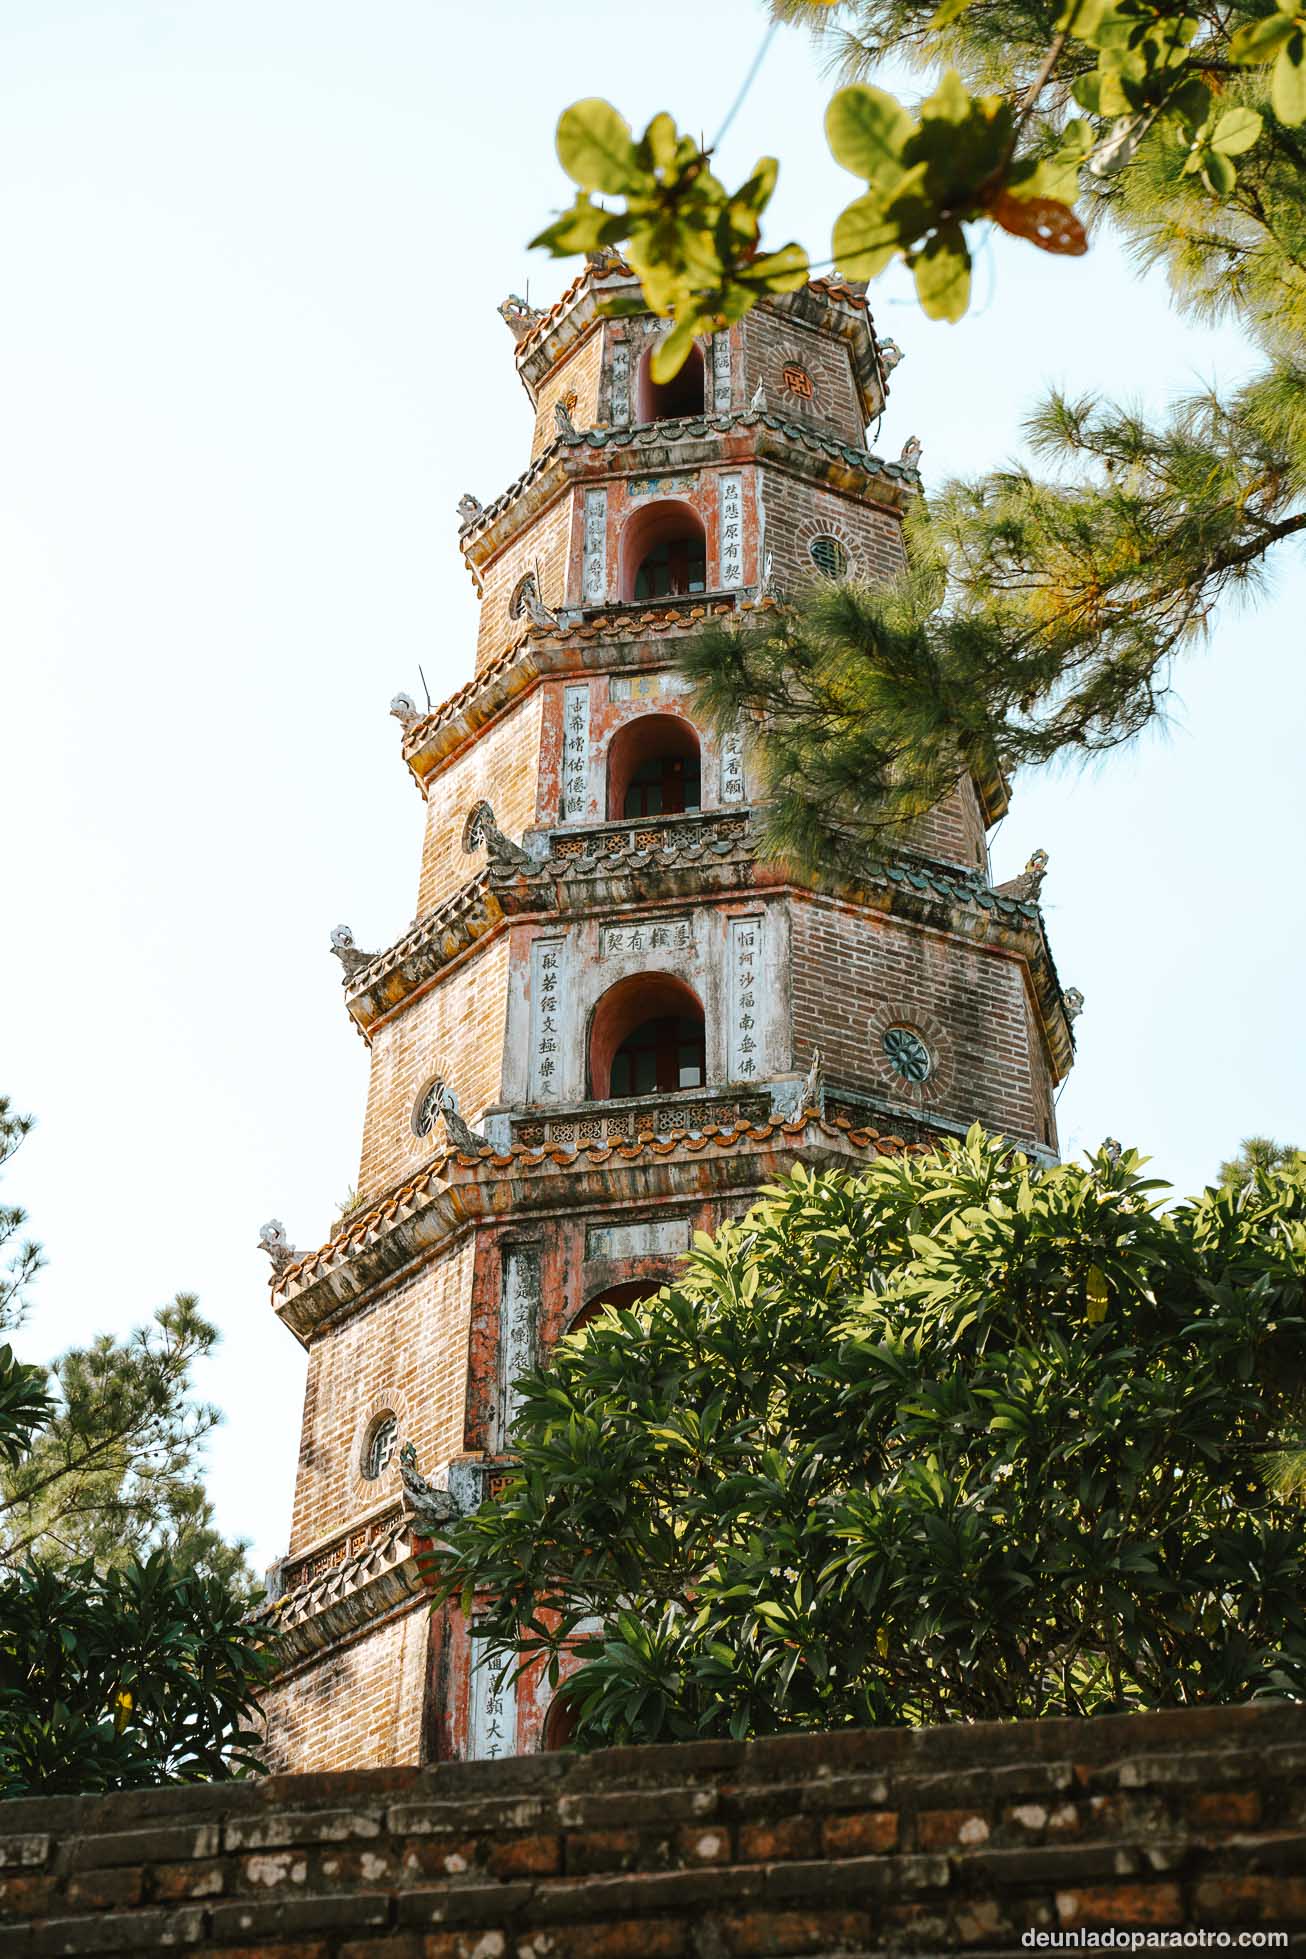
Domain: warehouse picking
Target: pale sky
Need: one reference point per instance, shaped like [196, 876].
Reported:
[249, 359]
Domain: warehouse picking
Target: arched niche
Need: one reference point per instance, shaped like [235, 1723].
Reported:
[646, 1038]
[664, 401]
[654, 768]
[663, 552]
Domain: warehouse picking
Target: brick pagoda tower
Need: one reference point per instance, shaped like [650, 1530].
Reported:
[599, 1035]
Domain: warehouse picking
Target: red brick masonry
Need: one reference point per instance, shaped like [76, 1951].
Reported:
[941, 1839]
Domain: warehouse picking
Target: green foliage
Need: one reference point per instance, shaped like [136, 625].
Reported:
[1258, 1156]
[1147, 73]
[952, 1440]
[1040, 617]
[695, 246]
[124, 1659]
[121, 1679]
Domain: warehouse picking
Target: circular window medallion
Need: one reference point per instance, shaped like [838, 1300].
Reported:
[524, 590]
[829, 556]
[907, 1054]
[378, 1450]
[429, 1104]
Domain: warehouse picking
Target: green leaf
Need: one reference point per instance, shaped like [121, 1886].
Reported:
[670, 355]
[1288, 82]
[1097, 1294]
[867, 130]
[595, 147]
[864, 238]
[785, 270]
[1236, 131]
[1260, 40]
[942, 272]
[583, 228]
[1218, 173]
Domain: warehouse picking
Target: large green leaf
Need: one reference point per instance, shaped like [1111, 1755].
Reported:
[867, 130]
[1288, 81]
[942, 273]
[595, 147]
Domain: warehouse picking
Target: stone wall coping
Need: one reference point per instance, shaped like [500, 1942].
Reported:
[1139, 1744]
[859, 1842]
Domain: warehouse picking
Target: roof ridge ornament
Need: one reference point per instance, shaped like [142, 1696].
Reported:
[469, 509]
[405, 709]
[1027, 886]
[273, 1240]
[519, 315]
[481, 828]
[347, 952]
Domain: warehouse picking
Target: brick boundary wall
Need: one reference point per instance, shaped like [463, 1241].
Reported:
[924, 1841]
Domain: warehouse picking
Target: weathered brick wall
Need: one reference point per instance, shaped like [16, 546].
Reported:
[544, 549]
[577, 375]
[936, 1840]
[404, 1353]
[770, 342]
[363, 1702]
[856, 974]
[455, 1030]
[797, 511]
[501, 765]
[953, 831]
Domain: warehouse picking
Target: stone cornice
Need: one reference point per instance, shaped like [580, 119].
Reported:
[693, 442]
[825, 303]
[454, 1191]
[593, 868]
[424, 951]
[600, 640]
[344, 1601]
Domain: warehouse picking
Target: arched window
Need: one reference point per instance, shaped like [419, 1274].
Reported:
[663, 553]
[662, 401]
[647, 1038]
[627, 1294]
[559, 1725]
[653, 768]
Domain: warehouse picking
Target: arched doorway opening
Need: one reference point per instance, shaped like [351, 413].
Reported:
[663, 553]
[559, 1725]
[627, 1294]
[663, 401]
[653, 768]
[646, 1038]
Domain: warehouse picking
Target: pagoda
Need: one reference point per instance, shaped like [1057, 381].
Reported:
[614, 1019]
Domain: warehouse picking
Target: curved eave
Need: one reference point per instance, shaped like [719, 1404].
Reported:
[691, 443]
[454, 1192]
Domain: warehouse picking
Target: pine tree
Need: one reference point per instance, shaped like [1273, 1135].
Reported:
[124, 1654]
[1044, 611]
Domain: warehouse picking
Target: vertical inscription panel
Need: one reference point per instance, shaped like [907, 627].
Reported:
[746, 982]
[721, 373]
[491, 1711]
[547, 961]
[620, 372]
[575, 753]
[732, 766]
[731, 519]
[519, 1314]
[594, 573]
